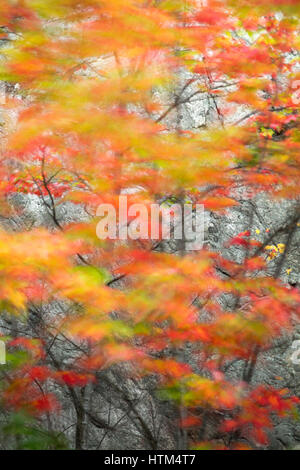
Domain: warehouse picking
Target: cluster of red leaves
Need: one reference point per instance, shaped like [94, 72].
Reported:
[256, 410]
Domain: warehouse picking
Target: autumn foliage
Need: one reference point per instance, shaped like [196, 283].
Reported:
[93, 119]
